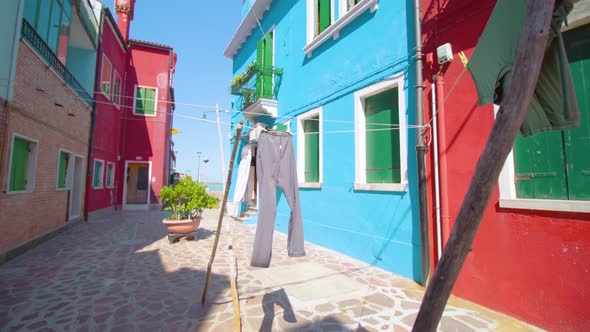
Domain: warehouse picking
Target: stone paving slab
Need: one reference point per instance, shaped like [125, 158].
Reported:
[119, 273]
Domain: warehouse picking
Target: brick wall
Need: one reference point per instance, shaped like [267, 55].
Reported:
[34, 114]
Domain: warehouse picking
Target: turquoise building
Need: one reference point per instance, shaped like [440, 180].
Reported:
[339, 75]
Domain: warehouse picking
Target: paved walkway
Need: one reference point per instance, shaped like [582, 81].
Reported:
[121, 274]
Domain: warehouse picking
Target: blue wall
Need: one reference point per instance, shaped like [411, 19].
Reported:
[380, 228]
[81, 63]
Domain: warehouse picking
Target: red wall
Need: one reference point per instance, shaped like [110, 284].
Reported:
[148, 138]
[107, 125]
[532, 265]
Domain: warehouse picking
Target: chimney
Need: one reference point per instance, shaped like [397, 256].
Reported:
[124, 10]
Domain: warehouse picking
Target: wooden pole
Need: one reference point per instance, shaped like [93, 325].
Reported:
[225, 194]
[234, 292]
[527, 66]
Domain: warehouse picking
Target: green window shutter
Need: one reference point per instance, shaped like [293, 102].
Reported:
[383, 146]
[109, 175]
[324, 15]
[281, 127]
[19, 164]
[267, 69]
[577, 140]
[97, 171]
[311, 129]
[139, 100]
[260, 63]
[62, 169]
[150, 101]
[538, 163]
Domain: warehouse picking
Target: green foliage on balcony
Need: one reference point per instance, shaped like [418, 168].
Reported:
[257, 82]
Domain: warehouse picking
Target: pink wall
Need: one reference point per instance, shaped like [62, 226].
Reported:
[532, 265]
[148, 138]
[107, 125]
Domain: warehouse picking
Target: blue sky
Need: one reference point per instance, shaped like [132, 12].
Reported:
[199, 31]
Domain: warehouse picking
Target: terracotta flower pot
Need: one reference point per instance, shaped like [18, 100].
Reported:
[184, 226]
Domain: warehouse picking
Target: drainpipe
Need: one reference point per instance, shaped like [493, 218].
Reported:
[442, 140]
[436, 170]
[93, 119]
[421, 149]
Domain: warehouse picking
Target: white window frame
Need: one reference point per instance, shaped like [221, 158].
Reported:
[69, 170]
[301, 148]
[102, 170]
[509, 200]
[31, 167]
[360, 150]
[116, 75]
[108, 94]
[112, 178]
[333, 31]
[135, 98]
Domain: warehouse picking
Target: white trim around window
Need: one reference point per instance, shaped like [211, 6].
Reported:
[508, 199]
[301, 149]
[31, 164]
[105, 60]
[69, 170]
[155, 100]
[333, 31]
[101, 175]
[110, 183]
[396, 81]
[116, 94]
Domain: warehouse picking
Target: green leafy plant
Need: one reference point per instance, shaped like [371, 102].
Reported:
[248, 95]
[187, 199]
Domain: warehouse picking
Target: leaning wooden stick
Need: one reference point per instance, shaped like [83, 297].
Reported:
[527, 66]
[225, 194]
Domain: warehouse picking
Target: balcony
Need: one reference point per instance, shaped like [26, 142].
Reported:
[257, 90]
[39, 45]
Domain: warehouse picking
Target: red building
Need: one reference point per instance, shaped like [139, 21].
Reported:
[531, 256]
[133, 116]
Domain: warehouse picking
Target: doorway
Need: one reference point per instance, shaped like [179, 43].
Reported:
[137, 185]
[77, 183]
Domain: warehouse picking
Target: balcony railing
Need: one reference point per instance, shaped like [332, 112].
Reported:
[29, 33]
[257, 82]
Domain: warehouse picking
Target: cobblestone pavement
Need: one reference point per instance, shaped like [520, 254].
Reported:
[120, 273]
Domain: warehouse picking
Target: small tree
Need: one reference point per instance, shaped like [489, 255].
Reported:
[187, 199]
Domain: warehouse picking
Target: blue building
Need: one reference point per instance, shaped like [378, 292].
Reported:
[338, 75]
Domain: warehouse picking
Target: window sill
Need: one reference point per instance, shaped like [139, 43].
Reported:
[546, 205]
[96, 188]
[16, 192]
[334, 29]
[144, 115]
[310, 185]
[62, 189]
[392, 187]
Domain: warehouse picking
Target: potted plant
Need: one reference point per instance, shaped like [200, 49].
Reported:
[186, 200]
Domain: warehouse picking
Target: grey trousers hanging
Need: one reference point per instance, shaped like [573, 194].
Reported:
[275, 167]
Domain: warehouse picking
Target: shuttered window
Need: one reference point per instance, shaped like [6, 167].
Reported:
[145, 101]
[97, 179]
[105, 77]
[556, 165]
[62, 169]
[116, 88]
[323, 15]
[382, 144]
[264, 58]
[19, 165]
[110, 175]
[311, 128]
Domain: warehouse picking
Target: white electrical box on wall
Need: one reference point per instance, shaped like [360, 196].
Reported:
[444, 53]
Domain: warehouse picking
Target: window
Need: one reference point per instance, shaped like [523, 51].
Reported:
[265, 58]
[105, 77]
[551, 170]
[321, 25]
[145, 101]
[116, 88]
[97, 178]
[110, 175]
[51, 19]
[23, 158]
[380, 142]
[309, 149]
[62, 169]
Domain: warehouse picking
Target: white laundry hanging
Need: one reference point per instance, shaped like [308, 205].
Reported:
[243, 174]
